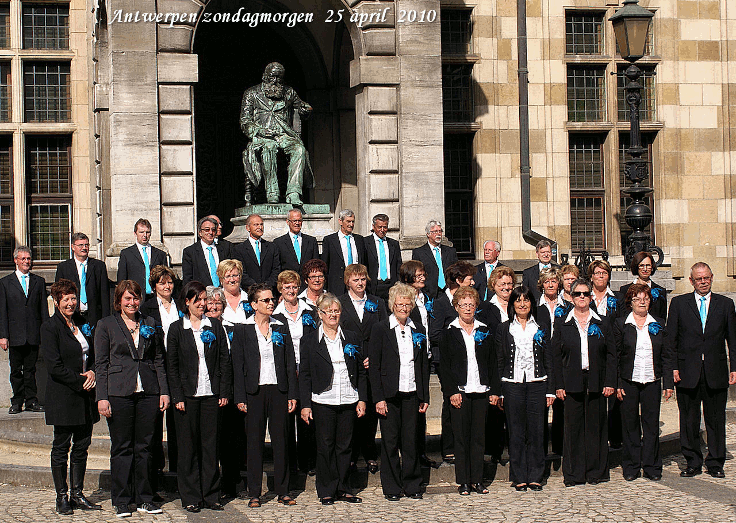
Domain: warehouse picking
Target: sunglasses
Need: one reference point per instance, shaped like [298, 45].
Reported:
[580, 294]
[266, 300]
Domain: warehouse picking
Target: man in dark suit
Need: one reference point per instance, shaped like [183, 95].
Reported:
[296, 248]
[491, 250]
[23, 308]
[199, 261]
[260, 258]
[219, 240]
[699, 325]
[530, 277]
[383, 258]
[136, 261]
[341, 249]
[90, 275]
[435, 257]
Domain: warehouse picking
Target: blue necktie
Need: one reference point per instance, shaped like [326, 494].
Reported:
[258, 251]
[703, 312]
[383, 273]
[147, 264]
[213, 268]
[297, 249]
[83, 284]
[350, 249]
[438, 259]
[24, 281]
[547, 266]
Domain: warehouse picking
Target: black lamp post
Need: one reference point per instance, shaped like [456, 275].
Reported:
[631, 26]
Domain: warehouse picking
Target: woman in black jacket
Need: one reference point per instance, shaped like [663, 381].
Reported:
[66, 346]
[200, 380]
[525, 365]
[333, 388]
[469, 377]
[645, 363]
[131, 388]
[643, 268]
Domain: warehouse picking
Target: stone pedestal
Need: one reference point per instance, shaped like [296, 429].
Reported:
[317, 220]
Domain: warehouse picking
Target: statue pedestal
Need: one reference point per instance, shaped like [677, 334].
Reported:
[317, 220]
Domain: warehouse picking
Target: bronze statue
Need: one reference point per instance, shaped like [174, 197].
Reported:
[266, 118]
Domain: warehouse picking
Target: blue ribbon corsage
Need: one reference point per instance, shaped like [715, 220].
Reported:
[146, 330]
[611, 303]
[654, 328]
[181, 314]
[429, 307]
[539, 337]
[230, 335]
[247, 308]
[277, 338]
[308, 321]
[370, 306]
[561, 310]
[86, 329]
[417, 338]
[351, 350]
[655, 293]
[595, 330]
[207, 336]
[479, 336]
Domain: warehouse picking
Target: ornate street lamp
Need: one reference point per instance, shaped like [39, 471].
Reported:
[631, 26]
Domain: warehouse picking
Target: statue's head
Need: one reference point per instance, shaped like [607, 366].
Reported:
[273, 80]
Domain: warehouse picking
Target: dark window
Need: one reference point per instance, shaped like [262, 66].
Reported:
[6, 167]
[50, 231]
[6, 200]
[6, 233]
[587, 223]
[456, 31]
[46, 26]
[459, 201]
[648, 102]
[49, 167]
[583, 33]
[586, 93]
[587, 191]
[4, 26]
[47, 92]
[647, 139]
[457, 92]
[586, 161]
[4, 92]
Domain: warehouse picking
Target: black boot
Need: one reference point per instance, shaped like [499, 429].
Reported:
[76, 497]
[62, 500]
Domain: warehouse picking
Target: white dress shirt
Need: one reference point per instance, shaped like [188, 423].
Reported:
[147, 249]
[344, 246]
[543, 265]
[204, 387]
[358, 304]
[296, 327]
[583, 331]
[407, 378]
[524, 353]
[138, 382]
[707, 303]
[235, 316]
[602, 305]
[253, 241]
[205, 250]
[341, 391]
[472, 382]
[420, 301]
[304, 296]
[82, 266]
[551, 308]
[643, 357]
[501, 308]
[85, 347]
[377, 241]
[265, 348]
[167, 318]
[27, 275]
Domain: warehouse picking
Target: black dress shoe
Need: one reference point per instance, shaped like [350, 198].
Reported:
[372, 467]
[479, 488]
[536, 487]
[520, 488]
[328, 501]
[716, 472]
[312, 472]
[214, 506]
[690, 472]
[15, 409]
[425, 461]
[392, 497]
[416, 495]
[348, 498]
[632, 477]
[192, 508]
[570, 483]
[35, 407]
[653, 477]
[450, 458]
[464, 489]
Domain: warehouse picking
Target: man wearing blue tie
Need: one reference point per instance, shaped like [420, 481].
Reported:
[435, 257]
[199, 261]
[23, 307]
[491, 250]
[341, 249]
[260, 258]
[530, 277]
[383, 258]
[295, 247]
[137, 260]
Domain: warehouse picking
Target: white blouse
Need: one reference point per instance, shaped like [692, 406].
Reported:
[407, 379]
[341, 391]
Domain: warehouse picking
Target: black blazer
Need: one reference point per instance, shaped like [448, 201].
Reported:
[454, 363]
[253, 273]
[657, 308]
[393, 253]
[67, 403]
[287, 256]
[505, 348]
[316, 369]
[385, 362]
[117, 361]
[349, 320]
[693, 347]
[247, 362]
[416, 316]
[481, 280]
[98, 286]
[332, 256]
[425, 255]
[546, 319]
[20, 316]
[662, 356]
[489, 314]
[530, 278]
[443, 313]
[182, 362]
[567, 361]
[131, 266]
[195, 266]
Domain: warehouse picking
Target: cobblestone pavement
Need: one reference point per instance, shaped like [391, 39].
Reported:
[701, 499]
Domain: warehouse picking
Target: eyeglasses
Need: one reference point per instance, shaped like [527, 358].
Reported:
[402, 306]
[331, 312]
[580, 294]
[466, 306]
[295, 221]
[82, 245]
[645, 299]
[436, 232]
[703, 279]
[209, 229]
[600, 273]
[420, 276]
[266, 300]
[316, 277]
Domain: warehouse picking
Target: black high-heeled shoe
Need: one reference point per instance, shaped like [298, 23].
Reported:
[520, 488]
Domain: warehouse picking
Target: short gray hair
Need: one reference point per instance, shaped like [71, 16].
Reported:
[579, 282]
[20, 249]
[698, 265]
[216, 293]
[541, 244]
[345, 213]
[250, 216]
[380, 218]
[294, 210]
[202, 221]
[496, 245]
[430, 224]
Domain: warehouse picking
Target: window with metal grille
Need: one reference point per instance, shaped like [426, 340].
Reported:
[647, 141]
[457, 92]
[45, 26]
[583, 32]
[587, 224]
[47, 92]
[50, 231]
[4, 92]
[587, 191]
[6, 200]
[49, 167]
[6, 233]
[648, 102]
[4, 26]
[459, 184]
[586, 93]
[455, 27]
[586, 161]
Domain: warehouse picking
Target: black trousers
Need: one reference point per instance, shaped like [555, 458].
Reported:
[333, 427]
[615, 428]
[198, 476]
[131, 431]
[585, 447]
[641, 433]
[268, 405]
[526, 406]
[447, 442]
[382, 287]
[554, 433]
[232, 447]
[496, 432]
[714, 415]
[302, 444]
[399, 430]
[364, 435]
[64, 435]
[469, 430]
[22, 359]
